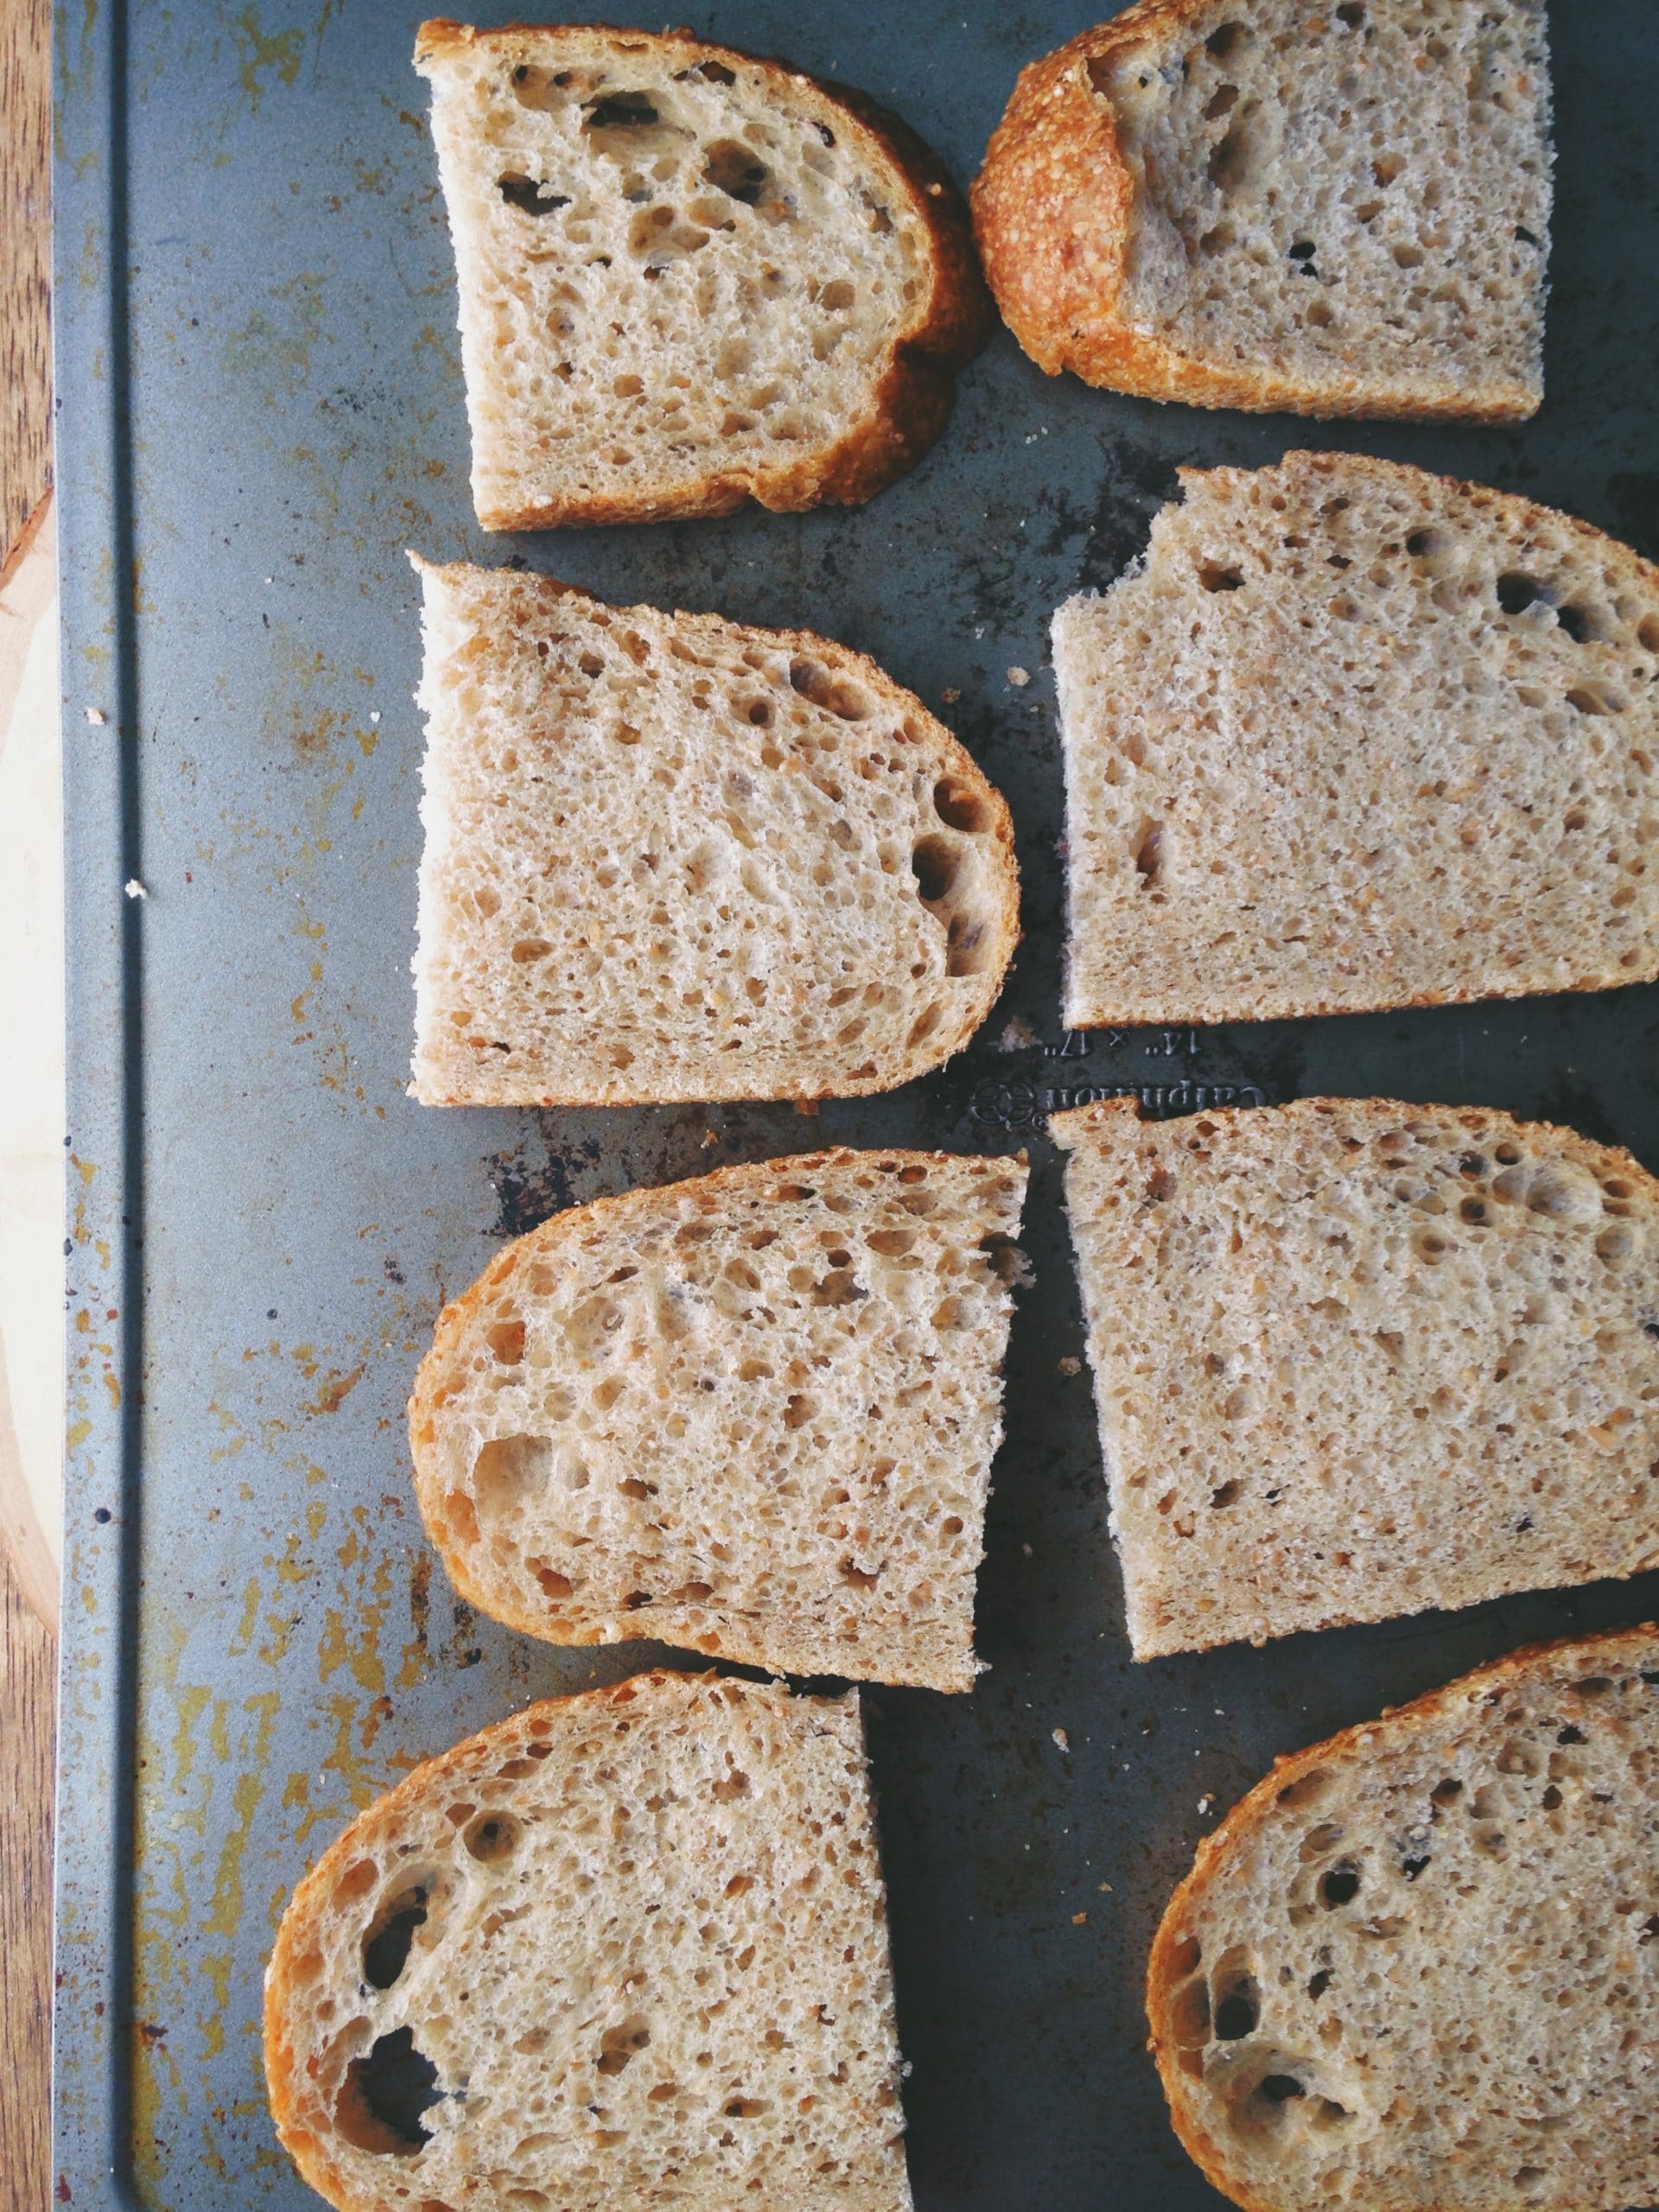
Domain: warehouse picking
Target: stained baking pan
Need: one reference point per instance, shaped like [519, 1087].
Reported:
[261, 407]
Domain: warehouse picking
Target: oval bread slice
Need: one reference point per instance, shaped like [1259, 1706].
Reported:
[671, 857]
[622, 1950]
[1354, 1358]
[689, 277]
[1267, 204]
[1417, 1968]
[1357, 736]
[752, 1414]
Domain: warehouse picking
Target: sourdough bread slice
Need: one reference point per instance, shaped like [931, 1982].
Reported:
[1358, 736]
[1417, 1969]
[1354, 1358]
[670, 857]
[625, 1949]
[752, 1414]
[689, 277]
[1266, 204]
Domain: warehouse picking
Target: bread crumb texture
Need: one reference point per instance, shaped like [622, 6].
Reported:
[1358, 736]
[689, 277]
[752, 1414]
[670, 857]
[1418, 1965]
[625, 1950]
[1341, 210]
[1354, 1358]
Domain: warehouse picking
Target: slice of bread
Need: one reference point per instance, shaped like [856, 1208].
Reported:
[1358, 736]
[688, 277]
[625, 1949]
[1418, 1965]
[1354, 1358]
[668, 857]
[1267, 204]
[752, 1414]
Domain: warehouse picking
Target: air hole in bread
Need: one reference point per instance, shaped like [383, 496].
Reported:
[1339, 1885]
[1232, 160]
[1351, 13]
[1215, 577]
[814, 682]
[733, 168]
[620, 111]
[619, 2046]
[1238, 2007]
[933, 863]
[1279, 2088]
[1225, 40]
[509, 1471]
[506, 1339]
[491, 1837]
[960, 808]
[1148, 852]
[1516, 592]
[386, 1948]
[530, 197]
[384, 2095]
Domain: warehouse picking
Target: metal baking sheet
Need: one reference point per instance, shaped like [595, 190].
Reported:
[261, 408]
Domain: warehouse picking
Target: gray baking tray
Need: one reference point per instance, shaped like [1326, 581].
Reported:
[261, 407]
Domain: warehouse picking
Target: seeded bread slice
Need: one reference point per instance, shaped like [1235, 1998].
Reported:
[688, 277]
[752, 1414]
[1267, 204]
[1354, 1358]
[1357, 736]
[671, 857]
[623, 1950]
[1418, 1967]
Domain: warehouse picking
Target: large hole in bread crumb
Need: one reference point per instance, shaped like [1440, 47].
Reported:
[620, 2045]
[384, 2095]
[386, 1945]
[959, 807]
[509, 1470]
[815, 682]
[528, 196]
[492, 1837]
[733, 169]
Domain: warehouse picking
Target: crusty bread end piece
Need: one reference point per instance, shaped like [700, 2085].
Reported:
[1267, 203]
[1354, 1358]
[624, 1950]
[1358, 736]
[752, 1414]
[689, 277]
[671, 857]
[1418, 1967]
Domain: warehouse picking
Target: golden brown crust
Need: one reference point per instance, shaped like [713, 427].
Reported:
[947, 327]
[460, 1314]
[1053, 205]
[1165, 1970]
[955, 760]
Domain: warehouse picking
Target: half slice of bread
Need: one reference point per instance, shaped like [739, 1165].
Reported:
[1357, 736]
[1418, 1965]
[1354, 1358]
[752, 1414]
[625, 1949]
[1266, 204]
[688, 277]
[668, 857]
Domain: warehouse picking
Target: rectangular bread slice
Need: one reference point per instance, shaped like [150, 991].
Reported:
[689, 277]
[1267, 204]
[1358, 736]
[623, 1950]
[1418, 1965]
[1354, 1358]
[671, 857]
[752, 1414]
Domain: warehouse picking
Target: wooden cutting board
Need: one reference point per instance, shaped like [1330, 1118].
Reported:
[31, 1097]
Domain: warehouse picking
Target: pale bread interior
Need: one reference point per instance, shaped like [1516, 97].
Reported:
[671, 857]
[1422, 1966]
[753, 1415]
[1353, 199]
[1354, 1358]
[675, 272]
[622, 1950]
[1358, 736]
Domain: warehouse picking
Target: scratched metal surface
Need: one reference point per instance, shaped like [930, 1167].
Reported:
[261, 407]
